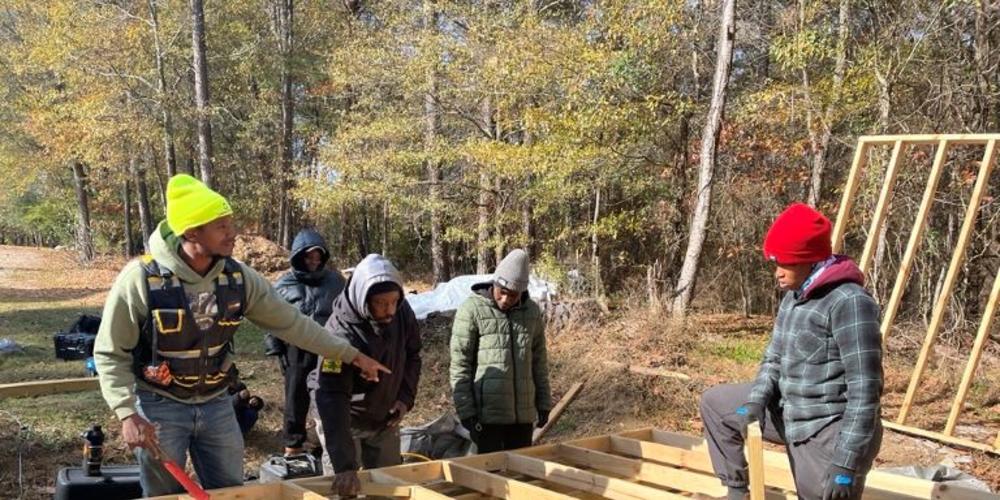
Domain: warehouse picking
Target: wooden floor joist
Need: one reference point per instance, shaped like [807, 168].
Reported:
[46, 387]
[645, 464]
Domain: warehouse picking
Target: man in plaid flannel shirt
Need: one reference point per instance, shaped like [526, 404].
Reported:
[819, 387]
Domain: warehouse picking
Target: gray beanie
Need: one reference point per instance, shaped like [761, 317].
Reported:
[512, 273]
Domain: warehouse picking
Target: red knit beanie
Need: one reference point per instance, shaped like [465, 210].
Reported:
[800, 235]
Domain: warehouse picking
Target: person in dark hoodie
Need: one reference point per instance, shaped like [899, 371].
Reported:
[358, 420]
[499, 362]
[819, 388]
[311, 287]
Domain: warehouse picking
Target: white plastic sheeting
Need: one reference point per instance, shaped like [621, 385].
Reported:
[446, 297]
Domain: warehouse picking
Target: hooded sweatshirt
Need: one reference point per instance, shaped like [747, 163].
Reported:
[312, 292]
[343, 399]
[824, 361]
[126, 311]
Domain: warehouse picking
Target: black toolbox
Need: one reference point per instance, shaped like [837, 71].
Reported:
[116, 482]
[78, 341]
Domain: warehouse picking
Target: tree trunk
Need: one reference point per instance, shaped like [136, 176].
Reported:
[84, 240]
[981, 54]
[433, 165]
[161, 188]
[706, 170]
[364, 232]
[528, 227]
[283, 27]
[169, 153]
[483, 235]
[127, 201]
[499, 205]
[385, 228]
[483, 226]
[884, 109]
[138, 172]
[595, 255]
[821, 146]
[527, 208]
[201, 92]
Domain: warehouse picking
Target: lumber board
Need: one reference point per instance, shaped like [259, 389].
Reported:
[954, 267]
[557, 411]
[847, 200]
[608, 487]
[422, 493]
[881, 208]
[982, 335]
[495, 484]
[646, 472]
[916, 236]
[46, 387]
[409, 474]
[755, 459]
[642, 370]
[939, 436]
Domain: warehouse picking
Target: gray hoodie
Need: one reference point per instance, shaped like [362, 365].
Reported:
[395, 345]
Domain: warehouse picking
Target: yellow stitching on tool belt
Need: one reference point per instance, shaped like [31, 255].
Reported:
[159, 321]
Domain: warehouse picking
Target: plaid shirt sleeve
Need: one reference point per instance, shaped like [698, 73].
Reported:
[855, 328]
[765, 386]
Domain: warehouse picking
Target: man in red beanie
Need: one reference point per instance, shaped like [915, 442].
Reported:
[819, 387]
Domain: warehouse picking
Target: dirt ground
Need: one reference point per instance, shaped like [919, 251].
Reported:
[42, 291]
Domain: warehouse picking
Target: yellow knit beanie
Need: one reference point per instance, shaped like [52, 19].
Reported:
[190, 203]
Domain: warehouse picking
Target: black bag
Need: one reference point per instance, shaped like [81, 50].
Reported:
[279, 468]
[444, 437]
[78, 341]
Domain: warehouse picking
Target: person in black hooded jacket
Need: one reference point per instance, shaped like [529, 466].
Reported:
[361, 418]
[311, 287]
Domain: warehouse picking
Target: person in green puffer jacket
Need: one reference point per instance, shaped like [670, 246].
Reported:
[499, 365]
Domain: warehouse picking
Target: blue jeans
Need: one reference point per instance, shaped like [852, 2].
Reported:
[208, 431]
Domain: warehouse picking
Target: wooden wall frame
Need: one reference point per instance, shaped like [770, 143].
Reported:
[943, 143]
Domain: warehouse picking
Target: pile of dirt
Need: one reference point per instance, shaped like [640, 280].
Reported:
[261, 253]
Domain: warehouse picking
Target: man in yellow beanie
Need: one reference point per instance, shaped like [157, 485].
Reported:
[164, 352]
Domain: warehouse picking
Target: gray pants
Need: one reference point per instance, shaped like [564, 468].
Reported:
[372, 448]
[809, 459]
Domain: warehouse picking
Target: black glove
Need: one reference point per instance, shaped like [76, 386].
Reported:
[839, 483]
[543, 418]
[746, 415]
[471, 424]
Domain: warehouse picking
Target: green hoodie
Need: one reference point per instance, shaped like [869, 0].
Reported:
[126, 310]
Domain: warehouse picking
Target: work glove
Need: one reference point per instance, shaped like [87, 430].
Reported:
[472, 425]
[839, 483]
[543, 418]
[746, 415]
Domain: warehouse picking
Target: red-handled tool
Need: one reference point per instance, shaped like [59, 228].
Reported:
[178, 473]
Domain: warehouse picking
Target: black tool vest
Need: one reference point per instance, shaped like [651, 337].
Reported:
[197, 359]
